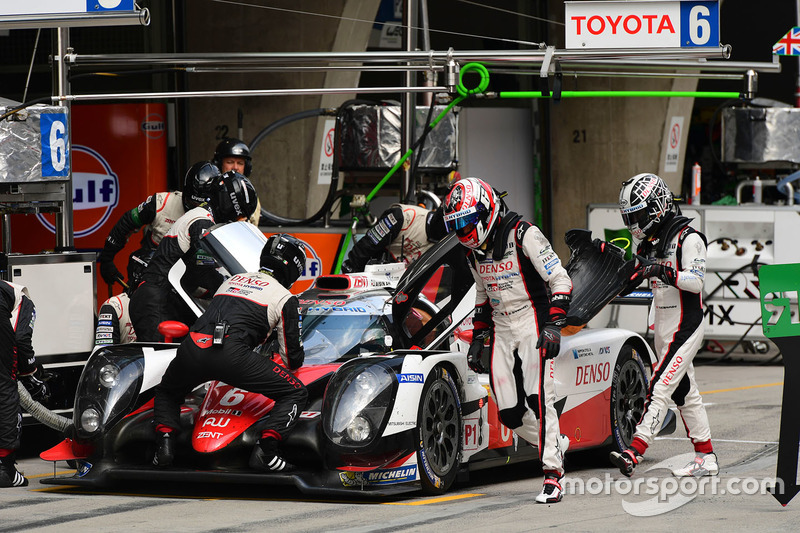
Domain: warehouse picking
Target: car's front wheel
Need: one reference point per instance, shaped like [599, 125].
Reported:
[439, 427]
[628, 393]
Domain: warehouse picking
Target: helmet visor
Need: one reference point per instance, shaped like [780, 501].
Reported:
[461, 219]
[635, 216]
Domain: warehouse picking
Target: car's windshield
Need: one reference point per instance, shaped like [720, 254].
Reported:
[330, 336]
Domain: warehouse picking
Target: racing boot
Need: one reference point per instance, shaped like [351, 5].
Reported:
[551, 490]
[265, 457]
[165, 453]
[703, 464]
[625, 461]
[9, 475]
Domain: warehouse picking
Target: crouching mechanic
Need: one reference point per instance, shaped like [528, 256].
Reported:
[242, 314]
[404, 231]
[154, 301]
[514, 265]
[672, 257]
[17, 361]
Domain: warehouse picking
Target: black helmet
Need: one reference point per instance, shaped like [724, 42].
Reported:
[234, 148]
[200, 183]
[284, 257]
[235, 198]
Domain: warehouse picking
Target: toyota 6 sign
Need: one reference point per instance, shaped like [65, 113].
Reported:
[644, 24]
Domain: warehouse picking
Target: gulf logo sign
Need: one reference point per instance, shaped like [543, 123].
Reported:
[95, 192]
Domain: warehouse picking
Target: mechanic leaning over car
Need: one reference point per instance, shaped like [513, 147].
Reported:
[154, 301]
[246, 309]
[672, 257]
[234, 154]
[403, 231]
[156, 214]
[514, 265]
[17, 361]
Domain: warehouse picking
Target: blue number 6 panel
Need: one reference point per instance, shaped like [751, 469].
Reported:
[699, 24]
[55, 144]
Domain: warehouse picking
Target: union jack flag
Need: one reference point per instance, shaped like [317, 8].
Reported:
[789, 44]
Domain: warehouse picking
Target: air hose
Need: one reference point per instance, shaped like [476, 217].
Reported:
[40, 412]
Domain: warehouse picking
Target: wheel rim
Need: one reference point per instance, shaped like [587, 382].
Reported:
[630, 394]
[440, 431]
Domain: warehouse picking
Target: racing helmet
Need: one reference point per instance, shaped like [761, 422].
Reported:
[233, 148]
[235, 198]
[199, 184]
[471, 209]
[284, 256]
[645, 202]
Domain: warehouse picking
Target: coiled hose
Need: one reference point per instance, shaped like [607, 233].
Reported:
[42, 413]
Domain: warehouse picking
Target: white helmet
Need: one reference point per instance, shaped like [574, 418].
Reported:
[471, 209]
[644, 202]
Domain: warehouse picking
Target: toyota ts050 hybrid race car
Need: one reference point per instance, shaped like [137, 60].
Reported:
[393, 405]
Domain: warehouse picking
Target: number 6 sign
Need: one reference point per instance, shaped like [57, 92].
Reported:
[55, 145]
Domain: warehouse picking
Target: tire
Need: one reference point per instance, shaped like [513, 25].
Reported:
[439, 432]
[628, 393]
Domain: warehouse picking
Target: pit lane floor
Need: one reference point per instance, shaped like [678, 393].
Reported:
[743, 402]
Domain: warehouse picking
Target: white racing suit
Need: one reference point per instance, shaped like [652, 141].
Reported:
[114, 324]
[678, 335]
[512, 298]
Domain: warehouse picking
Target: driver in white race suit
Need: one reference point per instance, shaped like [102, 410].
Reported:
[514, 266]
[672, 257]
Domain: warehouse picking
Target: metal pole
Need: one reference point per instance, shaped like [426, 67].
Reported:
[75, 20]
[409, 101]
[254, 92]
[417, 56]
[64, 222]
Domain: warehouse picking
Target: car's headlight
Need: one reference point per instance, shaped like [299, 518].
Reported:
[108, 386]
[357, 400]
[108, 376]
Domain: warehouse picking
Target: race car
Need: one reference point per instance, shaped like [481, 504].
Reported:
[393, 405]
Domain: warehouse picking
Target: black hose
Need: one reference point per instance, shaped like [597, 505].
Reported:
[284, 221]
[42, 100]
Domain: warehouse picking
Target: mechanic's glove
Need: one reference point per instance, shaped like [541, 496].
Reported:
[36, 385]
[475, 351]
[347, 268]
[549, 340]
[109, 272]
[666, 274]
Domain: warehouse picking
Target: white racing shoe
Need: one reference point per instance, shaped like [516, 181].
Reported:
[703, 464]
[551, 490]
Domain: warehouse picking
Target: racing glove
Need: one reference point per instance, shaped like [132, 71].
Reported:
[109, 272]
[549, 341]
[479, 340]
[666, 274]
[35, 384]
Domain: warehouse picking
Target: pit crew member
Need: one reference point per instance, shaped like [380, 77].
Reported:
[17, 361]
[234, 154]
[153, 301]
[156, 214]
[242, 314]
[514, 265]
[672, 258]
[403, 231]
